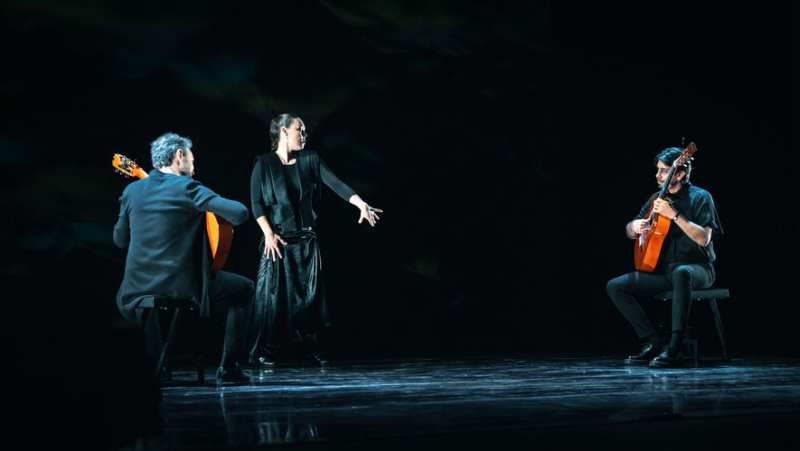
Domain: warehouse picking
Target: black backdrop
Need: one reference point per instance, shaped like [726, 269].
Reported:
[507, 142]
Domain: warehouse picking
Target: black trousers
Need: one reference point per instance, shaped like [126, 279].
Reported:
[679, 277]
[235, 293]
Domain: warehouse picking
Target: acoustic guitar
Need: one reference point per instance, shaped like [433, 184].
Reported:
[220, 231]
[648, 245]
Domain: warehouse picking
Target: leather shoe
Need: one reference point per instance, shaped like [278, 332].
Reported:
[646, 354]
[232, 374]
[265, 362]
[317, 358]
[669, 358]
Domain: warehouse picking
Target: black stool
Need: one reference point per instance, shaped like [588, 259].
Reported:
[711, 295]
[177, 306]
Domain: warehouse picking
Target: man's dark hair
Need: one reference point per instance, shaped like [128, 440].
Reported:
[669, 155]
[163, 149]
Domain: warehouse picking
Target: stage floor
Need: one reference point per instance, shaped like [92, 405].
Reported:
[492, 403]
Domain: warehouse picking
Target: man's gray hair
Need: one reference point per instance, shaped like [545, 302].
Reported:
[162, 150]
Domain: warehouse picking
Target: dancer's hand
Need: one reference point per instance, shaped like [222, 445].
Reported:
[271, 248]
[369, 214]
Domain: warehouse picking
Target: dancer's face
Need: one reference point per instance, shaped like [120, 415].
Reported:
[295, 135]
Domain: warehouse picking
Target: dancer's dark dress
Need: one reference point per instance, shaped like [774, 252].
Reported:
[290, 308]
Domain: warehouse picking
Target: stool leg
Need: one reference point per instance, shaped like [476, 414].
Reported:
[201, 372]
[691, 344]
[718, 320]
[688, 340]
[164, 359]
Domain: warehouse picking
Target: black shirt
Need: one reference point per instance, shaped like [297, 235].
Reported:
[696, 205]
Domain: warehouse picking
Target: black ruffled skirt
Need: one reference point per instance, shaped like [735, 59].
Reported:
[290, 308]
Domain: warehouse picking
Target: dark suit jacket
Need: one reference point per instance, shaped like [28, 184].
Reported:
[161, 221]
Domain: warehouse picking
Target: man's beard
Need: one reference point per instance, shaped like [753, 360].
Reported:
[185, 170]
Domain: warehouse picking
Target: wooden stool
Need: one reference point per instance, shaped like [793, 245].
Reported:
[711, 295]
[177, 306]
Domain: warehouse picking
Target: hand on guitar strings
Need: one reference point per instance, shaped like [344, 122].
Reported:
[640, 226]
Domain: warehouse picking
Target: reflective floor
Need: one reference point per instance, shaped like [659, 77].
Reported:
[498, 403]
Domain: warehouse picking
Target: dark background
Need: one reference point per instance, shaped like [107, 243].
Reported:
[507, 142]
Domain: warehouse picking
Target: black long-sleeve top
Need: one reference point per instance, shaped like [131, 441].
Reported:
[297, 185]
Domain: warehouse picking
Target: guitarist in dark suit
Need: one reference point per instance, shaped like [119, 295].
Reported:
[161, 222]
[685, 261]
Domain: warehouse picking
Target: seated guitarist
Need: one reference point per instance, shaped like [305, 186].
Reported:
[162, 222]
[684, 262]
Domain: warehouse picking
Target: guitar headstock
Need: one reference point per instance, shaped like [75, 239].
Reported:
[127, 167]
[685, 155]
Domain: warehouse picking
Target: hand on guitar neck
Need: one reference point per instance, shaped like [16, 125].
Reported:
[641, 226]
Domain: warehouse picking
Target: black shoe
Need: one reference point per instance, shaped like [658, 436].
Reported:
[316, 358]
[165, 374]
[233, 374]
[260, 363]
[645, 355]
[669, 358]
[265, 362]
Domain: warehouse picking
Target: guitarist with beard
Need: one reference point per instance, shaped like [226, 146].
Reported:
[685, 258]
[161, 223]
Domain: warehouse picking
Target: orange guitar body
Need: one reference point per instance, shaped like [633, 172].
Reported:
[648, 245]
[220, 238]
[220, 231]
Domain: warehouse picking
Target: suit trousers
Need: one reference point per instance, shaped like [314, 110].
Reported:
[682, 278]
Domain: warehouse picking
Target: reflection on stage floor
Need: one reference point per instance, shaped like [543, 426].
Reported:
[394, 404]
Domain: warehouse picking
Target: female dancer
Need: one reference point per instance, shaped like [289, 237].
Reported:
[290, 308]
